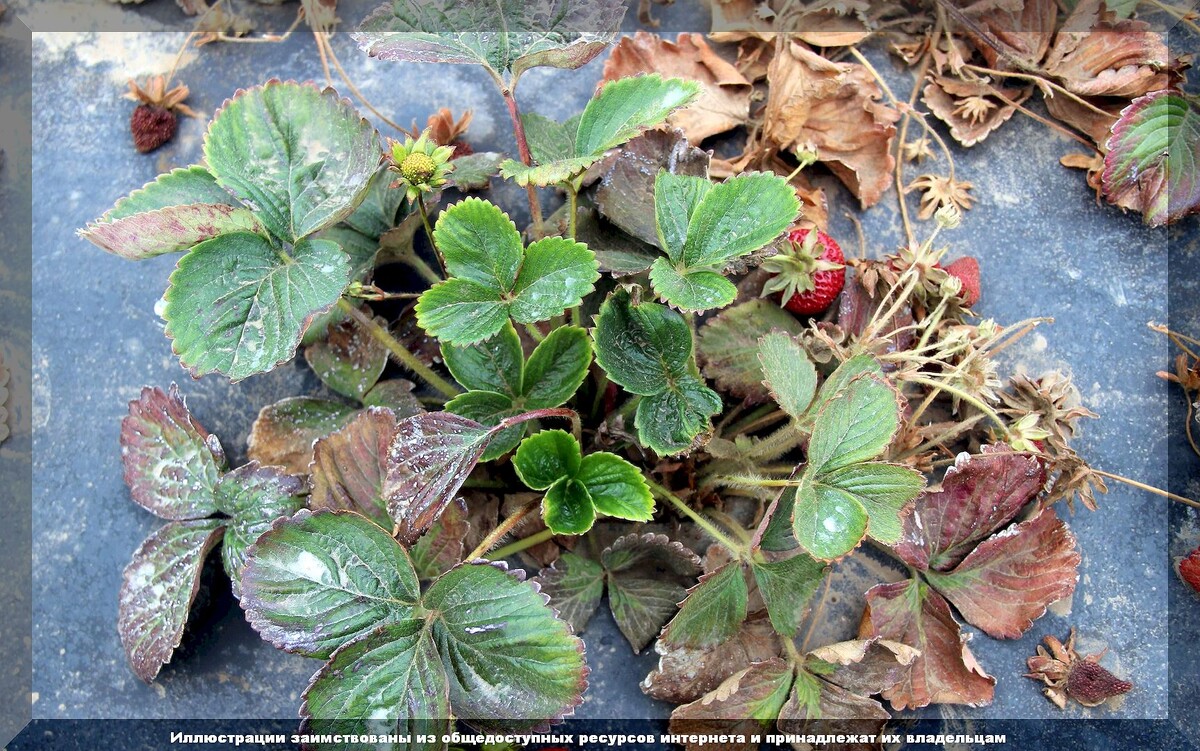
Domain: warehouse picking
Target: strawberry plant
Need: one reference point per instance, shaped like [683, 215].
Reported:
[675, 390]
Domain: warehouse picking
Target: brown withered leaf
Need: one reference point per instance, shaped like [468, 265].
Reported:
[1016, 36]
[746, 703]
[624, 180]
[725, 101]
[833, 109]
[348, 360]
[443, 546]
[1087, 120]
[946, 672]
[349, 466]
[283, 433]
[1097, 54]
[970, 108]
[684, 675]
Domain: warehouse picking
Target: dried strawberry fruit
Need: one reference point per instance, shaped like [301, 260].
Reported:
[1090, 684]
[151, 126]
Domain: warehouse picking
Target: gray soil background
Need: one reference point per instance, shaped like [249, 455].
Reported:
[1046, 249]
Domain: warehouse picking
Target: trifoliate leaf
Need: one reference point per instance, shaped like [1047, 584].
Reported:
[577, 487]
[428, 461]
[712, 612]
[239, 306]
[1153, 157]
[349, 466]
[647, 349]
[174, 212]
[555, 33]
[729, 346]
[619, 111]
[702, 226]
[788, 373]
[301, 157]
[493, 277]
[348, 360]
[172, 464]
[786, 587]
[253, 497]
[157, 591]
[317, 581]
[946, 672]
[283, 433]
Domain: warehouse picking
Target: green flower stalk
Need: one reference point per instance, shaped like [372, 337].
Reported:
[422, 164]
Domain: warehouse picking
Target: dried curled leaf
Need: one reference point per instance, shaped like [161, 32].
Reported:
[834, 110]
[971, 108]
[724, 103]
[1096, 54]
[685, 674]
[283, 433]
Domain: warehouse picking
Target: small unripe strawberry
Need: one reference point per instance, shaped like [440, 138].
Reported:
[151, 126]
[809, 274]
[966, 270]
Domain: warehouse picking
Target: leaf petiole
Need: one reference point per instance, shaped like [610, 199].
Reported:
[519, 545]
[737, 549]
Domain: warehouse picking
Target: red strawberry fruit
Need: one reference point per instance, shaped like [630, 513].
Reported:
[809, 274]
[966, 270]
[1189, 569]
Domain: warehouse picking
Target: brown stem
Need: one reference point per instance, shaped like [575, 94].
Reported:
[1148, 488]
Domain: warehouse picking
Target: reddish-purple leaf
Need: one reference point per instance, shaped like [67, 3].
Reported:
[865, 666]
[946, 672]
[979, 494]
[170, 229]
[171, 463]
[1006, 583]
[159, 585]
[429, 459]
[349, 466]
[348, 359]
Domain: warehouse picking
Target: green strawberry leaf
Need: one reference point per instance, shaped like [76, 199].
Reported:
[616, 487]
[349, 466]
[445, 31]
[494, 278]
[475, 171]
[349, 359]
[854, 425]
[175, 211]
[712, 612]
[239, 306]
[550, 140]
[157, 591]
[556, 368]
[1153, 157]
[567, 508]
[577, 487]
[336, 585]
[620, 110]
[545, 458]
[172, 464]
[510, 662]
[827, 521]
[283, 433]
[495, 364]
[691, 290]
[729, 346]
[883, 490]
[253, 497]
[301, 157]
[702, 226]
[380, 206]
[786, 587]
[647, 349]
[317, 581]
[788, 373]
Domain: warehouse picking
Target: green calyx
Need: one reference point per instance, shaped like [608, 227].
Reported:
[422, 164]
[794, 270]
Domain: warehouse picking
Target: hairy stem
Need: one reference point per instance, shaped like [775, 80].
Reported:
[398, 351]
[968, 398]
[429, 233]
[500, 531]
[519, 545]
[712, 530]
